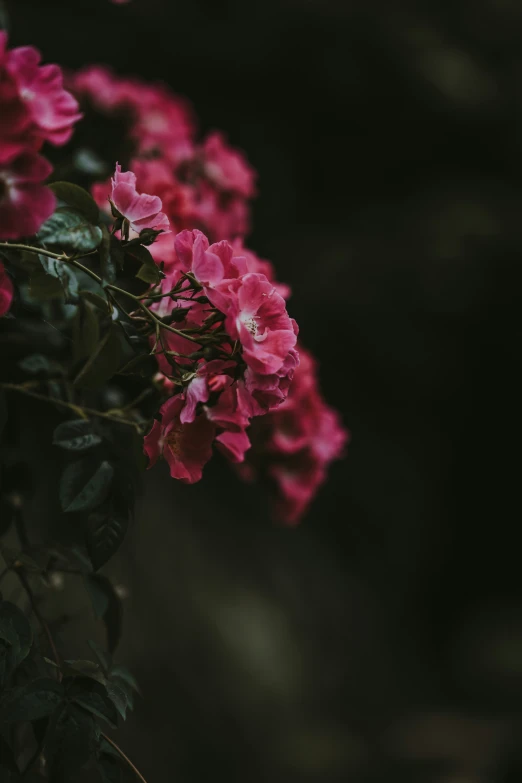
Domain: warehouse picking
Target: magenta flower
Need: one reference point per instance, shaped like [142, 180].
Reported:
[186, 447]
[6, 291]
[227, 168]
[25, 203]
[53, 111]
[140, 209]
[256, 314]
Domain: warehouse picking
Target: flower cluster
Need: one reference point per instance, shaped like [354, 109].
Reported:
[230, 357]
[34, 108]
[294, 446]
[205, 185]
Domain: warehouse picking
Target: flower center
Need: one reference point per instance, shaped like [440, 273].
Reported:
[27, 94]
[173, 441]
[251, 326]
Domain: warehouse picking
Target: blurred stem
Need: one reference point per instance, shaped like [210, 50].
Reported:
[125, 758]
[78, 409]
[34, 606]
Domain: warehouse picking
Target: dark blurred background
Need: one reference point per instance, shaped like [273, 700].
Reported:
[382, 639]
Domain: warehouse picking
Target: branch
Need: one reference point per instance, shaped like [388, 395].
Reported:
[124, 757]
[78, 409]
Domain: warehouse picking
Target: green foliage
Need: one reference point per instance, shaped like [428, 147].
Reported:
[83, 345]
[76, 435]
[104, 537]
[69, 228]
[84, 485]
[78, 198]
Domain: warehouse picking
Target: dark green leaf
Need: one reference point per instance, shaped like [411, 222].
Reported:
[36, 699]
[44, 286]
[149, 271]
[82, 488]
[16, 632]
[106, 605]
[86, 330]
[94, 697]
[78, 198]
[76, 435]
[68, 228]
[84, 669]
[60, 271]
[109, 768]
[104, 362]
[103, 657]
[38, 363]
[71, 742]
[104, 537]
[124, 674]
[119, 697]
[98, 301]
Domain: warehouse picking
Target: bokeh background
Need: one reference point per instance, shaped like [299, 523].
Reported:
[382, 639]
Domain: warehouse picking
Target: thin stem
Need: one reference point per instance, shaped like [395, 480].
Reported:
[124, 757]
[79, 410]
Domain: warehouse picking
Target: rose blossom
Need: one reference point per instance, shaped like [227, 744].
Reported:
[140, 209]
[295, 443]
[24, 202]
[186, 447]
[53, 111]
[6, 291]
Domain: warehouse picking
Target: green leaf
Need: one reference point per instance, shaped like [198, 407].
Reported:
[44, 286]
[103, 657]
[76, 435]
[107, 606]
[86, 331]
[68, 228]
[38, 363]
[78, 198]
[84, 669]
[122, 673]
[109, 768]
[17, 634]
[149, 271]
[63, 273]
[105, 535]
[94, 698]
[71, 741]
[96, 300]
[82, 488]
[104, 362]
[119, 698]
[36, 699]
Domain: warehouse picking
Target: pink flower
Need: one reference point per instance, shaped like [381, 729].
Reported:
[257, 316]
[186, 447]
[295, 443]
[53, 111]
[158, 120]
[6, 291]
[209, 378]
[227, 168]
[24, 202]
[15, 126]
[141, 210]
